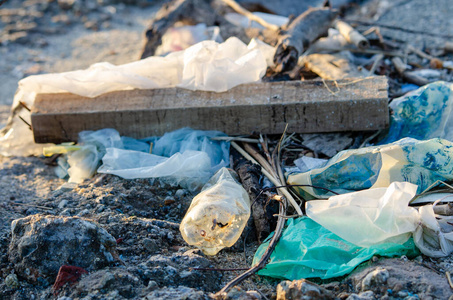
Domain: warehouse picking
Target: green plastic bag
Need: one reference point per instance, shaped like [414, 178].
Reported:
[308, 250]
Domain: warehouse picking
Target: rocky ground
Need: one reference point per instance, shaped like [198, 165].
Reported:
[125, 233]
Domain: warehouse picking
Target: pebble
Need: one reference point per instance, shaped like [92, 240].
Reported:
[11, 281]
[375, 278]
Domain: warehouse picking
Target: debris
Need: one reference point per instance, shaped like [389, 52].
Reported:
[409, 76]
[306, 106]
[352, 35]
[217, 216]
[41, 244]
[302, 289]
[252, 17]
[423, 114]
[380, 214]
[332, 67]
[302, 252]
[327, 144]
[67, 274]
[299, 34]
[420, 162]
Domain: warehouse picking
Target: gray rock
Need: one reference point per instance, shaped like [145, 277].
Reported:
[178, 270]
[11, 281]
[375, 278]
[107, 281]
[368, 295]
[236, 293]
[41, 244]
[178, 293]
[301, 289]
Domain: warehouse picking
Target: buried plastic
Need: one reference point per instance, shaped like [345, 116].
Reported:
[423, 114]
[420, 162]
[217, 216]
[308, 250]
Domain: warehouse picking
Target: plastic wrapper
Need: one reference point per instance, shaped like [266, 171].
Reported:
[369, 217]
[423, 114]
[420, 162]
[308, 250]
[207, 66]
[434, 235]
[217, 216]
[182, 37]
[189, 169]
[184, 157]
[382, 215]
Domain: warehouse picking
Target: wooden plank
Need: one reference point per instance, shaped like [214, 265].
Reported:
[306, 106]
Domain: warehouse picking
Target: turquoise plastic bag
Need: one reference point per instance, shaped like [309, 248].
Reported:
[308, 250]
[408, 160]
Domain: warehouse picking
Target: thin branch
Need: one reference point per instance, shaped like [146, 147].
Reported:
[239, 9]
[265, 257]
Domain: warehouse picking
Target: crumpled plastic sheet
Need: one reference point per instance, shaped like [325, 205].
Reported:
[308, 250]
[369, 217]
[423, 114]
[382, 215]
[207, 66]
[420, 162]
[183, 157]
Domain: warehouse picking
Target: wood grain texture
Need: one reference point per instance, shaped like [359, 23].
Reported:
[306, 106]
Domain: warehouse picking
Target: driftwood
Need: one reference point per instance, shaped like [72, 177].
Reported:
[262, 210]
[306, 106]
[299, 34]
[401, 68]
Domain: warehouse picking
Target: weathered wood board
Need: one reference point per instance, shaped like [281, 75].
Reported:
[306, 106]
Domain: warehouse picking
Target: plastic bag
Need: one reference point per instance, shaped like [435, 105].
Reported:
[369, 217]
[189, 169]
[419, 162]
[183, 157]
[182, 37]
[217, 216]
[423, 114]
[434, 234]
[308, 250]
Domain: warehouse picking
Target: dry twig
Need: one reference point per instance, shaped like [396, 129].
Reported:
[239, 9]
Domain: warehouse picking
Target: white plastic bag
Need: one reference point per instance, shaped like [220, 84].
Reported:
[369, 217]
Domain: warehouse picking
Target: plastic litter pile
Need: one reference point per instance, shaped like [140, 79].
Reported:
[366, 206]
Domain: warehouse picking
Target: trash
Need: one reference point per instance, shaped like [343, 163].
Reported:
[182, 37]
[196, 68]
[351, 35]
[369, 217]
[332, 66]
[183, 157]
[243, 21]
[218, 215]
[67, 274]
[434, 235]
[306, 163]
[423, 114]
[420, 162]
[308, 250]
